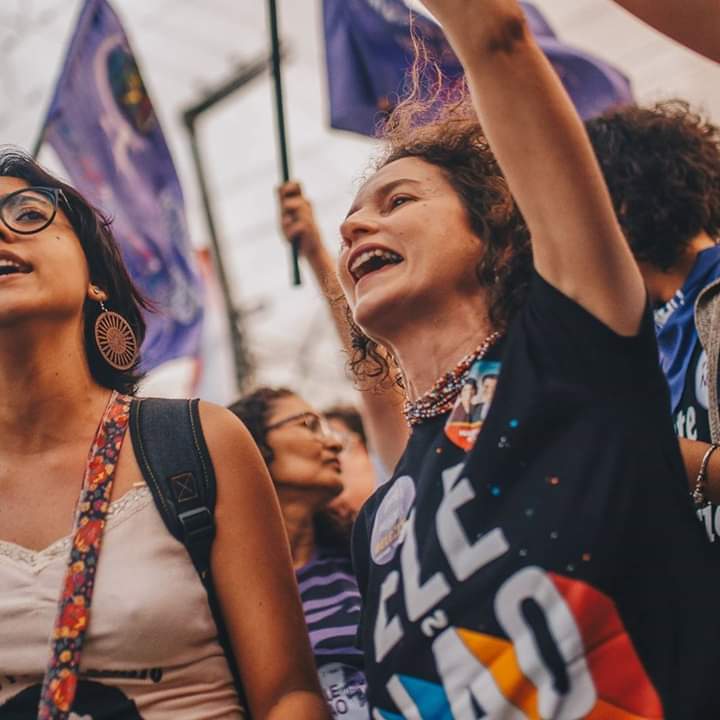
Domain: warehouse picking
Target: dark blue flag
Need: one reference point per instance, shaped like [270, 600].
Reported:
[369, 51]
[102, 125]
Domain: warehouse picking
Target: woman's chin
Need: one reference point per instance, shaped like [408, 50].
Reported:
[335, 486]
[376, 312]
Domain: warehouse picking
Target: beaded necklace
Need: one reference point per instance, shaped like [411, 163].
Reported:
[442, 395]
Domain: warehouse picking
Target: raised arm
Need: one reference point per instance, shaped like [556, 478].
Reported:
[253, 575]
[547, 159]
[381, 409]
[694, 23]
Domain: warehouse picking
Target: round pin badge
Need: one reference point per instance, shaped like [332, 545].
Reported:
[345, 690]
[390, 518]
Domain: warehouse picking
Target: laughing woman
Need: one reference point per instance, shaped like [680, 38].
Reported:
[149, 648]
[537, 555]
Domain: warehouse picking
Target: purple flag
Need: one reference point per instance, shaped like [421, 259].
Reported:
[102, 125]
[369, 50]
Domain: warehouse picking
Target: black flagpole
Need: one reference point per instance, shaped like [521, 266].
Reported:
[280, 123]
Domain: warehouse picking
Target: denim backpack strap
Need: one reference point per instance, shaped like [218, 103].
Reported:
[174, 460]
[172, 454]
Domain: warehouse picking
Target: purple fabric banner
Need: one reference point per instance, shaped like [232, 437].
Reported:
[369, 50]
[102, 125]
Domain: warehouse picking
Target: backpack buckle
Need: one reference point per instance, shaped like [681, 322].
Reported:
[197, 523]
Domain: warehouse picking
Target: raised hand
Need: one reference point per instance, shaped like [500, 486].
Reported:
[477, 22]
[297, 219]
[541, 146]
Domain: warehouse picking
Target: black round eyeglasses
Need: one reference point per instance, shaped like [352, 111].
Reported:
[31, 209]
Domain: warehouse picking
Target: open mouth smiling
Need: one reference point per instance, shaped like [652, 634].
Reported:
[370, 260]
[12, 265]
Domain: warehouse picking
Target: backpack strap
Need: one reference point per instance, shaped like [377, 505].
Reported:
[178, 472]
[172, 454]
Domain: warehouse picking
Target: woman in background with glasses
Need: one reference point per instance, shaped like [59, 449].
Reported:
[303, 456]
[70, 327]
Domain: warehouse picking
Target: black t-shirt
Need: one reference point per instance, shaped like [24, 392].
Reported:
[554, 568]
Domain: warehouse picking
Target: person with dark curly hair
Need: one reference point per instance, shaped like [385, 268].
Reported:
[549, 565]
[102, 612]
[302, 454]
[662, 167]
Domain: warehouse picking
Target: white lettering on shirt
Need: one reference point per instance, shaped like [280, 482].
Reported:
[387, 632]
[465, 559]
[401, 698]
[464, 677]
[531, 583]
[432, 623]
[419, 597]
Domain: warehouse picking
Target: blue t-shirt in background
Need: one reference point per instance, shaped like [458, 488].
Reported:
[684, 362]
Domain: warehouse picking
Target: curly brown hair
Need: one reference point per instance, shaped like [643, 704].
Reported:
[662, 166]
[443, 130]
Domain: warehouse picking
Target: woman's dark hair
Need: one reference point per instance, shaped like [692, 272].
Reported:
[350, 417]
[254, 410]
[442, 129]
[106, 267]
[662, 167]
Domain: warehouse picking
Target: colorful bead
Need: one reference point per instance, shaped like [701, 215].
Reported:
[441, 397]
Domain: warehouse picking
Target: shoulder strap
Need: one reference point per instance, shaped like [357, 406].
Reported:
[178, 471]
[172, 454]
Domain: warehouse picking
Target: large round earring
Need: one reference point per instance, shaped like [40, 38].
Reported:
[115, 339]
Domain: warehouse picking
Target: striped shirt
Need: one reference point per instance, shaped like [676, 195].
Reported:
[331, 603]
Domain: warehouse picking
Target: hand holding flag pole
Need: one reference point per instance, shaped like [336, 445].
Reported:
[280, 123]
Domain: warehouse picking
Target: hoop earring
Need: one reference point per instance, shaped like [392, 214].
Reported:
[115, 339]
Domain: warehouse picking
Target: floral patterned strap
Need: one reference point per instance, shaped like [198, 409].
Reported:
[71, 624]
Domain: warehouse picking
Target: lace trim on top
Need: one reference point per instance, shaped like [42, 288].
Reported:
[120, 510]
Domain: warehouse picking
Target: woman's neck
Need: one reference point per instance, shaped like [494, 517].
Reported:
[300, 526]
[427, 347]
[46, 388]
[663, 284]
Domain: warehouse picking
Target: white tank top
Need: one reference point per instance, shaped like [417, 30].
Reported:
[152, 640]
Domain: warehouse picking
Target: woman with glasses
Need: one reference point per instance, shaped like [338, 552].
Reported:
[101, 611]
[303, 456]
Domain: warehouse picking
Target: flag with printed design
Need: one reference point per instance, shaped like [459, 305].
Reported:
[369, 50]
[102, 125]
